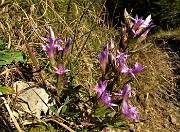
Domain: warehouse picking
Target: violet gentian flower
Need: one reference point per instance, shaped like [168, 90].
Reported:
[103, 58]
[122, 57]
[106, 98]
[52, 44]
[60, 70]
[129, 111]
[136, 25]
[146, 22]
[123, 68]
[104, 95]
[59, 47]
[135, 29]
[121, 62]
[68, 45]
[140, 25]
[126, 92]
[52, 41]
[144, 34]
[101, 86]
[136, 69]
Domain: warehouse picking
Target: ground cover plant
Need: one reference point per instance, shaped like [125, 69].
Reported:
[98, 78]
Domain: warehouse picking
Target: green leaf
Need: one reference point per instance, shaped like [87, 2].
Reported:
[101, 111]
[141, 47]
[6, 90]
[64, 109]
[17, 55]
[8, 56]
[120, 125]
[67, 100]
[53, 109]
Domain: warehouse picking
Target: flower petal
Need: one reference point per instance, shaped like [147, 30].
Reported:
[126, 92]
[101, 86]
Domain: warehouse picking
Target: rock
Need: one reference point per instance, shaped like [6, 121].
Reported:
[33, 100]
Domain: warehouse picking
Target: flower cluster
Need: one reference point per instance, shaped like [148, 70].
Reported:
[119, 62]
[103, 93]
[127, 109]
[135, 30]
[56, 52]
[54, 48]
[115, 66]
[105, 97]
[115, 71]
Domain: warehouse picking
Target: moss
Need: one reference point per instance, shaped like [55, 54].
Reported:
[42, 128]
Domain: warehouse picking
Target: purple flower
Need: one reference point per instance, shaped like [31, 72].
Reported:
[106, 98]
[126, 92]
[103, 58]
[60, 70]
[136, 69]
[51, 39]
[68, 45]
[104, 95]
[136, 26]
[137, 22]
[123, 68]
[59, 47]
[52, 44]
[146, 22]
[101, 86]
[144, 35]
[122, 57]
[129, 111]
[140, 25]
[121, 62]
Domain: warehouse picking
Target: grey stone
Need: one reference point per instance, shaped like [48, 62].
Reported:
[33, 100]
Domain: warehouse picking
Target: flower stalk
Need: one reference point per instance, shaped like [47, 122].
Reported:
[57, 55]
[114, 66]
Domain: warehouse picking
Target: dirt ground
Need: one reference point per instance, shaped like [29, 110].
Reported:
[160, 110]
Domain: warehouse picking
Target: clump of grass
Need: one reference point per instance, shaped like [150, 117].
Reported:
[155, 89]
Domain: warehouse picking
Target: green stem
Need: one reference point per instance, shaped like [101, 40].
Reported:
[59, 84]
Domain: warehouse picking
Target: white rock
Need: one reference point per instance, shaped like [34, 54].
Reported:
[30, 101]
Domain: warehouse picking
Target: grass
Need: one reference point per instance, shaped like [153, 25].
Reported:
[81, 20]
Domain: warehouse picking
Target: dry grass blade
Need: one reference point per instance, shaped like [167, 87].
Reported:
[11, 114]
[63, 125]
[103, 6]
